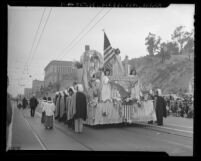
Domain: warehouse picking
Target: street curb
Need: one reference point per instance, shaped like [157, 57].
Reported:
[165, 128]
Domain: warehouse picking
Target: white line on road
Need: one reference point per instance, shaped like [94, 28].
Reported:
[43, 146]
[186, 131]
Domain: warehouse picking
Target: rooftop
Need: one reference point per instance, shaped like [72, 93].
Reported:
[59, 62]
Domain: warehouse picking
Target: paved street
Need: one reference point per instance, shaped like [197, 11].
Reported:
[175, 137]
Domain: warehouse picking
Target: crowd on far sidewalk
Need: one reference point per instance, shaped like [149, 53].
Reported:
[180, 107]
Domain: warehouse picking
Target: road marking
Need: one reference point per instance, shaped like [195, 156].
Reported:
[39, 140]
[186, 131]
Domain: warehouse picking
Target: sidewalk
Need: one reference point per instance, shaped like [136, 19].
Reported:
[174, 125]
[179, 121]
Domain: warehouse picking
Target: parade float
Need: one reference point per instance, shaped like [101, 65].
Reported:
[114, 95]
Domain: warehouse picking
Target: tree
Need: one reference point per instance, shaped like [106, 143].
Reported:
[152, 43]
[189, 46]
[180, 37]
[172, 48]
[164, 53]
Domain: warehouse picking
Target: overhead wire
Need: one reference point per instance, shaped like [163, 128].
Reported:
[34, 52]
[80, 32]
[25, 69]
[87, 32]
[41, 35]
[36, 34]
[77, 35]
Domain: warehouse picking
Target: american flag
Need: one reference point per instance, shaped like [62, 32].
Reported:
[108, 54]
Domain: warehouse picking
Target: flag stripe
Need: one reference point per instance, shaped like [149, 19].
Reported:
[108, 53]
[107, 49]
[106, 41]
[109, 57]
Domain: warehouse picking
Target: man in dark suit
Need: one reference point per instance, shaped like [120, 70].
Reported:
[160, 107]
[33, 105]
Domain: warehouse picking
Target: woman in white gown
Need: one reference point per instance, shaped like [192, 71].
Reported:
[106, 88]
[136, 87]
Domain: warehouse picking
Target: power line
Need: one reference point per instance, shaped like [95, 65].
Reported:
[88, 31]
[35, 37]
[36, 33]
[81, 32]
[38, 41]
[41, 34]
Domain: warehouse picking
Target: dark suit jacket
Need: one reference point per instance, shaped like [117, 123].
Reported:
[161, 106]
[81, 106]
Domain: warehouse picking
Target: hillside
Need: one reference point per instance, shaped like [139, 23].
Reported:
[172, 76]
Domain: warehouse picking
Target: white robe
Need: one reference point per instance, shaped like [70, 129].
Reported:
[106, 89]
[136, 91]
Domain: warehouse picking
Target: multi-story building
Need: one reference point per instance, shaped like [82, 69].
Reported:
[28, 93]
[55, 71]
[36, 85]
[67, 81]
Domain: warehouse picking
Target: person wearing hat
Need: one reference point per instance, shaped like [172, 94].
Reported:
[160, 107]
[33, 105]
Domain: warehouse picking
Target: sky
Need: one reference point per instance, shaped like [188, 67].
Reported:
[126, 29]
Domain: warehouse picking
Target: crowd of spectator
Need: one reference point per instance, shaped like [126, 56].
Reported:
[180, 107]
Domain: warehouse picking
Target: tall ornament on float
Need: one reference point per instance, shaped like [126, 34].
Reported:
[92, 61]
